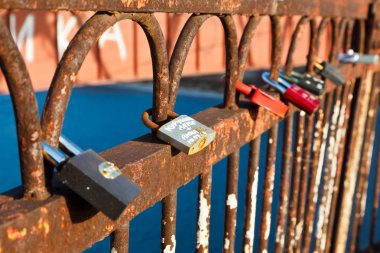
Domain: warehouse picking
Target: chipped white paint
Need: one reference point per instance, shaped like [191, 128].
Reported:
[270, 140]
[280, 236]
[320, 162]
[267, 229]
[226, 243]
[249, 234]
[113, 250]
[171, 248]
[204, 214]
[265, 251]
[231, 201]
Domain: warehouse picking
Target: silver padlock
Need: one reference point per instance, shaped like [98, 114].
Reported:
[352, 57]
[182, 132]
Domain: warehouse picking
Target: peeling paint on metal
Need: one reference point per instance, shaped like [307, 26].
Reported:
[226, 244]
[268, 221]
[231, 201]
[171, 248]
[252, 216]
[204, 214]
[14, 233]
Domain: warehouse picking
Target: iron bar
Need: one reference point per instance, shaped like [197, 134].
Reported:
[204, 207]
[267, 200]
[26, 115]
[251, 199]
[286, 171]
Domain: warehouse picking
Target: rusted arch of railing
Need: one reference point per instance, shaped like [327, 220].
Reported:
[26, 114]
[166, 79]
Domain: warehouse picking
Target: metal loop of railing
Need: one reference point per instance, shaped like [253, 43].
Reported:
[318, 170]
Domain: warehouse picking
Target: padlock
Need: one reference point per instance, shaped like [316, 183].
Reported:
[328, 71]
[306, 81]
[294, 94]
[256, 96]
[352, 57]
[182, 132]
[96, 180]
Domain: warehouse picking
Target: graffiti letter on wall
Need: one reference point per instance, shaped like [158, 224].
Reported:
[26, 34]
[63, 32]
[117, 37]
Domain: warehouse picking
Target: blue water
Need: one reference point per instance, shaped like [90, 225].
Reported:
[102, 117]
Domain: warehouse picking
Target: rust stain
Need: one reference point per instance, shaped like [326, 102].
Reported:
[14, 233]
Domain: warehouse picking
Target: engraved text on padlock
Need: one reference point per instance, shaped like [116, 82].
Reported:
[186, 134]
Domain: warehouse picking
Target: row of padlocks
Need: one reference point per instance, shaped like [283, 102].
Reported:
[102, 184]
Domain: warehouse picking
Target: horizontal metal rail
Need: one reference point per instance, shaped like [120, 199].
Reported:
[342, 8]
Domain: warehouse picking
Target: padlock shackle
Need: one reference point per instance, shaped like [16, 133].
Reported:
[52, 155]
[276, 85]
[68, 146]
[283, 82]
[291, 78]
[150, 124]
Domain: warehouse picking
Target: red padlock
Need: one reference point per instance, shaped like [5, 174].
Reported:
[262, 99]
[294, 94]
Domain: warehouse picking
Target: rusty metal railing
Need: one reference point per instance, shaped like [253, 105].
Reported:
[333, 147]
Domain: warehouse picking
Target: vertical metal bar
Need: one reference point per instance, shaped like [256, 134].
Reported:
[267, 199]
[293, 45]
[231, 202]
[168, 222]
[337, 162]
[251, 197]
[245, 44]
[254, 146]
[319, 147]
[120, 239]
[340, 148]
[286, 172]
[230, 37]
[328, 177]
[26, 115]
[204, 206]
[376, 197]
[306, 164]
[294, 227]
[276, 47]
[352, 163]
[365, 165]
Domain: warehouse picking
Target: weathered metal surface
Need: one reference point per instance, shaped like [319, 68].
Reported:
[352, 162]
[151, 164]
[251, 195]
[295, 226]
[231, 201]
[354, 8]
[69, 66]
[146, 162]
[365, 165]
[120, 239]
[286, 171]
[204, 208]
[267, 199]
[320, 138]
[26, 114]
